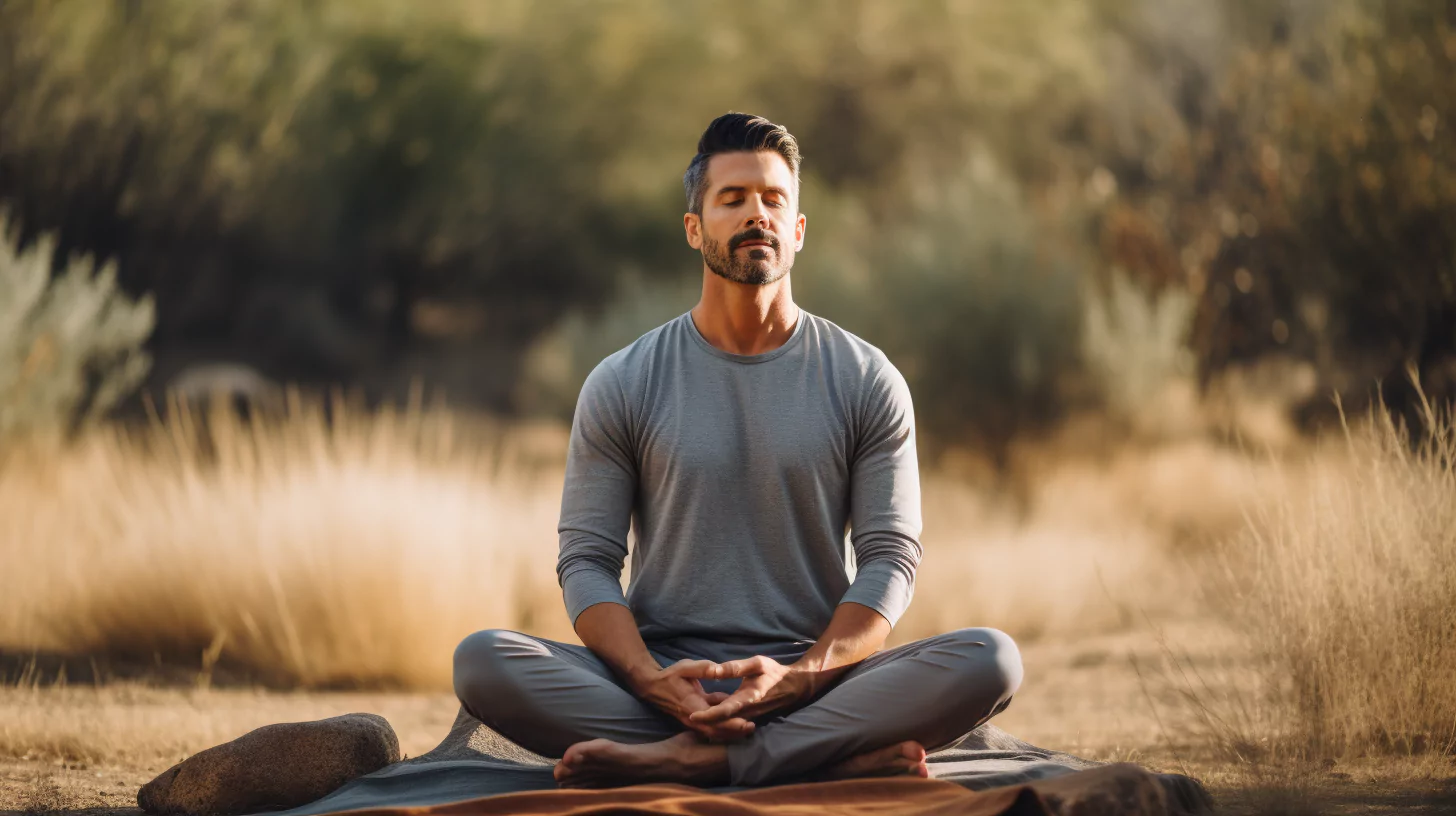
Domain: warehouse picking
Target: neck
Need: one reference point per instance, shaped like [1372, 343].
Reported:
[743, 319]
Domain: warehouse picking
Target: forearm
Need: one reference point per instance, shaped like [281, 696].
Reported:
[610, 631]
[854, 633]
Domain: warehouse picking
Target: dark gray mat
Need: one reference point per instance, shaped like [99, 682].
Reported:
[474, 761]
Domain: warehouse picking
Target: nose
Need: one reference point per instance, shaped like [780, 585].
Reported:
[758, 216]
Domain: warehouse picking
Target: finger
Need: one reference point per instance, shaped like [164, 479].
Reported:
[727, 731]
[751, 712]
[695, 668]
[720, 711]
[696, 701]
[717, 711]
[695, 721]
[716, 697]
[738, 728]
[746, 667]
[747, 694]
[747, 703]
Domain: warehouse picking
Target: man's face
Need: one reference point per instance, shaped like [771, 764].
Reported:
[750, 227]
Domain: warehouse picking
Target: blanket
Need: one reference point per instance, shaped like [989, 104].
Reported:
[475, 770]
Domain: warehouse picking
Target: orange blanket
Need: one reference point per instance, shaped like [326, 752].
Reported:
[1113, 789]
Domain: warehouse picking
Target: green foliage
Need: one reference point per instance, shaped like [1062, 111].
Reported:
[982, 321]
[1135, 343]
[293, 181]
[70, 345]
[1305, 192]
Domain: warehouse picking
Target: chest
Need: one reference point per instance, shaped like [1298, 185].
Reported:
[754, 425]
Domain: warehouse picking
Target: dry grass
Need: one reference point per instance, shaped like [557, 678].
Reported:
[1347, 590]
[356, 551]
[149, 727]
[1101, 541]
[1046, 576]
[45, 797]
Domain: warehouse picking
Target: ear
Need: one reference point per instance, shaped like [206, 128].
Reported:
[800, 225]
[693, 227]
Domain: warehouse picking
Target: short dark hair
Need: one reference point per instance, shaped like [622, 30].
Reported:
[730, 133]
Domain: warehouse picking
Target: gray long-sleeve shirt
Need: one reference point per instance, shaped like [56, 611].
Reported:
[740, 475]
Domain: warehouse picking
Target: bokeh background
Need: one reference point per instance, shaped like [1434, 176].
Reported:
[1151, 267]
[482, 197]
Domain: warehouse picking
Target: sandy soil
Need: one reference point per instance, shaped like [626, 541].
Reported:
[85, 749]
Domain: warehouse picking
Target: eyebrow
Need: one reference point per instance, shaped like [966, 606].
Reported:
[737, 189]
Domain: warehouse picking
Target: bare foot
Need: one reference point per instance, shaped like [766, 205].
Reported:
[602, 763]
[903, 759]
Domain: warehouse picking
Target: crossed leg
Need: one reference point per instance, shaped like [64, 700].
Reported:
[548, 696]
[560, 700]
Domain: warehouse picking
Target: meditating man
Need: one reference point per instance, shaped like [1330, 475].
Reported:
[740, 441]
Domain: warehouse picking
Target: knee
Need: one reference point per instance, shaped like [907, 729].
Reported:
[993, 661]
[479, 670]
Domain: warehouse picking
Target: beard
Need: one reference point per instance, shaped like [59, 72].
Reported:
[760, 268]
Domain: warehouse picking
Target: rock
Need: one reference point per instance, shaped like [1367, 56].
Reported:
[275, 767]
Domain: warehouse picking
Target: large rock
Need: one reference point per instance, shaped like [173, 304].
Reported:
[275, 767]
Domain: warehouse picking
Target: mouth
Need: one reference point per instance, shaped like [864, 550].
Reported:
[755, 244]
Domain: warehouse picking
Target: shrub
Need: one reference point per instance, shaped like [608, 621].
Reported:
[965, 293]
[1134, 344]
[70, 345]
[1347, 593]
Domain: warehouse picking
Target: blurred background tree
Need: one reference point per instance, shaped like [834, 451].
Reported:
[1300, 184]
[70, 345]
[485, 197]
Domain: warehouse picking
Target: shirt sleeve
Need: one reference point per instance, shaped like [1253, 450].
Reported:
[885, 499]
[597, 498]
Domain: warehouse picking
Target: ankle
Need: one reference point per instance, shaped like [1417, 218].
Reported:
[702, 758]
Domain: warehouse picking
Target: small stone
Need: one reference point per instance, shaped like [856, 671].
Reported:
[275, 767]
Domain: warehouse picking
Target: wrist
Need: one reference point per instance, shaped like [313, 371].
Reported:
[639, 675]
[808, 678]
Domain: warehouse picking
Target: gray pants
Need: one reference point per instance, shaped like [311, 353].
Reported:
[547, 696]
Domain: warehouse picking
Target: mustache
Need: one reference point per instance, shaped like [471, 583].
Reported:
[753, 235]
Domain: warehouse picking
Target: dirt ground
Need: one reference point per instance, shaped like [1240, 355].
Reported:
[72, 748]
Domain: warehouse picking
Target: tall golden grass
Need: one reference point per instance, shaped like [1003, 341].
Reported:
[1346, 588]
[322, 547]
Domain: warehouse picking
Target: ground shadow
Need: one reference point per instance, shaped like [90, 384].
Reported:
[1424, 799]
[42, 668]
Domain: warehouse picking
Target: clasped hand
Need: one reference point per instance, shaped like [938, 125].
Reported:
[767, 686]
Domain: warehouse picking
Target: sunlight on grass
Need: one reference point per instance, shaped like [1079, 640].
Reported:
[353, 550]
[1349, 588]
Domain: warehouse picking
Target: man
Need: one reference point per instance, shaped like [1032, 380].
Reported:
[741, 441]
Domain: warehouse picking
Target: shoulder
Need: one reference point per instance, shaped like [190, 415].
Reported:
[628, 369]
[854, 359]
